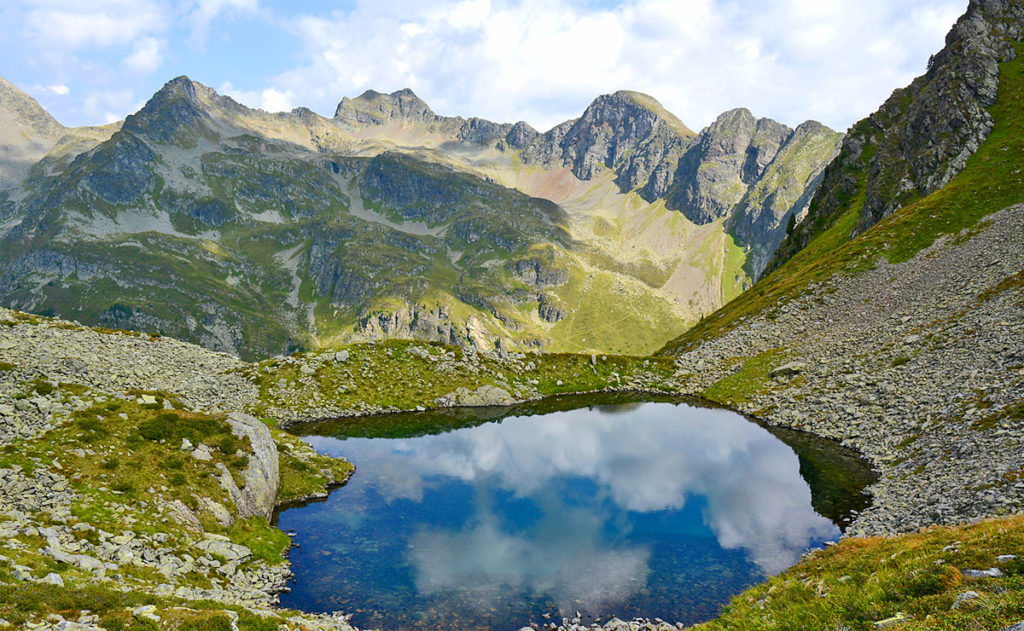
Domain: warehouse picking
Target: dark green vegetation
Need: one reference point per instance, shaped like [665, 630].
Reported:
[992, 180]
[915, 577]
[427, 422]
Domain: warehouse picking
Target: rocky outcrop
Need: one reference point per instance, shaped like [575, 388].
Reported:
[484, 396]
[782, 192]
[923, 134]
[551, 309]
[262, 476]
[727, 158]
[626, 131]
[27, 133]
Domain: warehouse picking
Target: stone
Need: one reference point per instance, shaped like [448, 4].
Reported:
[989, 573]
[484, 396]
[186, 445]
[217, 510]
[1006, 558]
[888, 623]
[233, 552]
[146, 612]
[788, 370]
[262, 475]
[965, 598]
[202, 453]
[52, 579]
[341, 356]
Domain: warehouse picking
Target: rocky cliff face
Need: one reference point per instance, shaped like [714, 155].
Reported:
[626, 131]
[727, 158]
[782, 192]
[403, 107]
[923, 135]
[755, 173]
[27, 133]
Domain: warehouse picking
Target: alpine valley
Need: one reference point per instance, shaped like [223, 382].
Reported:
[207, 308]
[259, 233]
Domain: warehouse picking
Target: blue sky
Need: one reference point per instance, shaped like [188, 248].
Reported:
[542, 61]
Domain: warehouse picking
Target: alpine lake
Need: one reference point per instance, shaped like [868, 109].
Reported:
[597, 505]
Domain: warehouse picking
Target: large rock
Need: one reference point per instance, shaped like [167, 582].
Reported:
[484, 396]
[263, 474]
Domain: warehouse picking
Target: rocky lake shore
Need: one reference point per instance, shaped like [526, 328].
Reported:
[919, 366]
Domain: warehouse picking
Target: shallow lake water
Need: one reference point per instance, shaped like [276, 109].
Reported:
[599, 505]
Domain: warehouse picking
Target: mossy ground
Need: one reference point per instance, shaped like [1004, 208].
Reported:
[402, 375]
[866, 580]
[123, 461]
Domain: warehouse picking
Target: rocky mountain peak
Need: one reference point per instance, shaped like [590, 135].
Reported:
[629, 132]
[923, 135]
[728, 157]
[376, 108]
[181, 106]
[27, 132]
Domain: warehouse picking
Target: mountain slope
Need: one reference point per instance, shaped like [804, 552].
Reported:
[27, 133]
[260, 233]
[904, 341]
[924, 134]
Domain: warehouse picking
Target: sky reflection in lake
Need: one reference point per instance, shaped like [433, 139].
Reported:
[655, 509]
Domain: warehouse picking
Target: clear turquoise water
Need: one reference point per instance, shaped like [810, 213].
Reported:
[652, 509]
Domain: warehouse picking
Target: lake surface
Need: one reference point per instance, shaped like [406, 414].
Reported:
[655, 509]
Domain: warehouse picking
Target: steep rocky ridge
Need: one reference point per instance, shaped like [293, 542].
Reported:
[924, 134]
[27, 133]
[403, 108]
[902, 342]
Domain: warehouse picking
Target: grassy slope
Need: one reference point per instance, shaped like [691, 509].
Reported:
[992, 180]
[863, 581]
[910, 576]
[123, 460]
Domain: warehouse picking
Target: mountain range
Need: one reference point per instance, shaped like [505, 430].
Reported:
[262, 233]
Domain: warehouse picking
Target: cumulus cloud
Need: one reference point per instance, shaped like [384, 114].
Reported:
[146, 55]
[68, 25]
[543, 61]
[269, 99]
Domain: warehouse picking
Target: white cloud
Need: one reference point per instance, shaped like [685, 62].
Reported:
[202, 14]
[68, 25]
[545, 60]
[59, 89]
[269, 99]
[108, 105]
[146, 55]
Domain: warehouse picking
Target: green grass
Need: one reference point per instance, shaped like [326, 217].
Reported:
[394, 376]
[750, 379]
[306, 474]
[992, 180]
[865, 580]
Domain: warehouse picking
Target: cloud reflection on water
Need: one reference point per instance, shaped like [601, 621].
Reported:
[648, 459]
